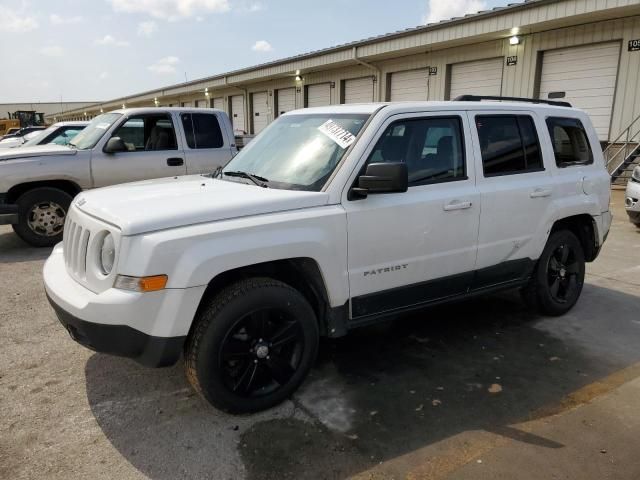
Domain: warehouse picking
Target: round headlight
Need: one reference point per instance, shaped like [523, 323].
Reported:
[107, 254]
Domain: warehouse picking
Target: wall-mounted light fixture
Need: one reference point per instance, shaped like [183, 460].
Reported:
[85, 114]
[515, 40]
[298, 78]
[206, 91]
[123, 106]
[155, 101]
[101, 110]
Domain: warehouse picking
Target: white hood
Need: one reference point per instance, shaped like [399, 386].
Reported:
[11, 142]
[36, 151]
[178, 201]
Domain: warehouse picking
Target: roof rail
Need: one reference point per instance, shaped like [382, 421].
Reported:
[479, 98]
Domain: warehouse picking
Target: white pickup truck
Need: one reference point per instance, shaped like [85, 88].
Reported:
[37, 184]
[332, 218]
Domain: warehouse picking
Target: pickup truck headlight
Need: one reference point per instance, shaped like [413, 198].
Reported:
[107, 254]
[636, 174]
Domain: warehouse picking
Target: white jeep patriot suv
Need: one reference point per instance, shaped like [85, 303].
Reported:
[332, 218]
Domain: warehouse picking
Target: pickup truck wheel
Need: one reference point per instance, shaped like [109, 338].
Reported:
[559, 275]
[41, 216]
[252, 346]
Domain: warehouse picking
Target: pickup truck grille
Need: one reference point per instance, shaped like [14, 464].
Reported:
[76, 241]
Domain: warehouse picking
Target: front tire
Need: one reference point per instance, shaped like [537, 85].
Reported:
[41, 216]
[252, 346]
[559, 275]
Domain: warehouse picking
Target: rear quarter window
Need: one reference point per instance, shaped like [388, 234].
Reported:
[570, 142]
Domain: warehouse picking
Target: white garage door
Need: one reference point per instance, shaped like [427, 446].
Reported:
[409, 85]
[587, 76]
[318, 95]
[358, 90]
[286, 98]
[187, 104]
[237, 112]
[480, 77]
[218, 102]
[260, 111]
[201, 103]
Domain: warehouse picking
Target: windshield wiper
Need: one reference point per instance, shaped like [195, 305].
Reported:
[258, 180]
[216, 173]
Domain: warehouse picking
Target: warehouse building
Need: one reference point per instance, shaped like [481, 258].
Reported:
[49, 109]
[586, 52]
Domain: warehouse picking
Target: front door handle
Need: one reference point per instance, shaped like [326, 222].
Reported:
[540, 192]
[175, 162]
[456, 205]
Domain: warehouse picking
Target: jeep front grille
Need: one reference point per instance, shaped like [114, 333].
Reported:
[75, 241]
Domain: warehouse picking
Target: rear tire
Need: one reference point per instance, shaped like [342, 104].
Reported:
[41, 216]
[558, 278]
[252, 346]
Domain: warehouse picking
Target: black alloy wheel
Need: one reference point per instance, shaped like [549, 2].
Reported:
[261, 352]
[558, 278]
[252, 345]
[563, 269]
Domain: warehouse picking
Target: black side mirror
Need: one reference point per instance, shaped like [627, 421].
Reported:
[392, 177]
[115, 145]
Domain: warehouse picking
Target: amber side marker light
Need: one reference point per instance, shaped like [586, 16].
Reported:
[141, 284]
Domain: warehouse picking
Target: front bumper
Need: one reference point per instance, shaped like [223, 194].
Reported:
[121, 340]
[149, 327]
[632, 201]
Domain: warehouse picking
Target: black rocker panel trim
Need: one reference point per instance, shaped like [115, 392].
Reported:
[503, 276]
[505, 272]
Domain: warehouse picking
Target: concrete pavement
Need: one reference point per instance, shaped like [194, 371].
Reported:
[481, 389]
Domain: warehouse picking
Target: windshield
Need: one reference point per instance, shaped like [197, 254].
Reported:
[93, 132]
[34, 138]
[299, 152]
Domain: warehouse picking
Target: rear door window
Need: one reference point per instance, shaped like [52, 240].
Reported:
[570, 142]
[508, 144]
[202, 130]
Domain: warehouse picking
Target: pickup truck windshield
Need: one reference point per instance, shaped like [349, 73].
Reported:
[299, 152]
[93, 132]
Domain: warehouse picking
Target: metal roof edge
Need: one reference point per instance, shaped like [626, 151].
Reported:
[336, 48]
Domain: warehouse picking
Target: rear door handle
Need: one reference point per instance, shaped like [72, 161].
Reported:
[175, 162]
[540, 192]
[455, 205]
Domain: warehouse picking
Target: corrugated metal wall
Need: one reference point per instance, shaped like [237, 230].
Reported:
[521, 79]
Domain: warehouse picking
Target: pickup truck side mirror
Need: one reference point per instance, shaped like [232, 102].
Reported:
[392, 177]
[115, 145]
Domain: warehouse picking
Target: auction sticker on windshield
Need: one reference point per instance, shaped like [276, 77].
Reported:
[335, 132]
